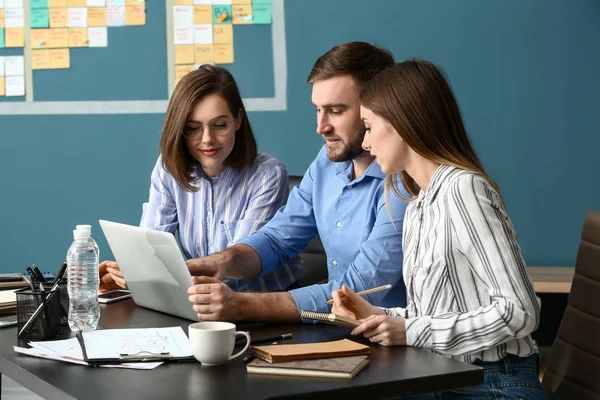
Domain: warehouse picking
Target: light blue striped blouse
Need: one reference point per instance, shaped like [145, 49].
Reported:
[225, 209]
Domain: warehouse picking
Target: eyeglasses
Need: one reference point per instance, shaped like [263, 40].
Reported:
[219, 128]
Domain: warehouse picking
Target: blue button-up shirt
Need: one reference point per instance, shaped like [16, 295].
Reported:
[224, 209]
[364, 248]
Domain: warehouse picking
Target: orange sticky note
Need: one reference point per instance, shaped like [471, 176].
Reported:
[135, 15]
[202, 15]
[40, 59]
[60, 59]
[59, 38]
[181, 2]
[242, 14]
[78, 37]
[59, 18]
[40, 38]
[181, 70]
[184, 54]
[2, 92]
[96, 16]
[14, 37]
[223, 53]
[136, 3]
[57, 3]
[203, 54]
[241, 2]
[76, 3]
[2, 22]
[223, 34]
[222, 17]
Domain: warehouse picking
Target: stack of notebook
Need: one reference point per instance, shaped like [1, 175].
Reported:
[337, 359]
[8, 302]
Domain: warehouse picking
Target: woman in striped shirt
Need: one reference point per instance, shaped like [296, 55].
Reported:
[469, 295]
[209, 183]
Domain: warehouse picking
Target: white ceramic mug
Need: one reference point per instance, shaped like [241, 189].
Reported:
[213, 342]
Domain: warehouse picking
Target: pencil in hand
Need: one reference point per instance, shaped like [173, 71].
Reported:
[369, 291]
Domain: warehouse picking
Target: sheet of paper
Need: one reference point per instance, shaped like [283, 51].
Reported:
[96, 16]
[14, 65]
[221, 14]
[184, 54]
[40, 59]
[59, 17]
[96, 3]
[183, 15]
[40, 18]
[14, 37]
[77, 17]
[222, 2]
[57, 3]
[223, 53]
[203, 34]
[40, 38]
[202, 15]
[135, 15]
[202, 2]
[115, 3]
[203, 54]
[76, 3]
[7, 296]
[13, 3]
[1, 38]
[1, 65]
[183, 34]
[78, 37]
[14, 18]
[2, 86]
[15, 86]
[60, 59]
[222, 34]
[115, 16]
[38, 4]
[261, 13]
[59, 38]
[98, 37]
[242, 14]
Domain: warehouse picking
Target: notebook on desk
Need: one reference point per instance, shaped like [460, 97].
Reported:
[291, 352]
[335, 367]
[330, 318]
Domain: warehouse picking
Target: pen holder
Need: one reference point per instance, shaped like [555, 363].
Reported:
[63, 294]
[39, 313]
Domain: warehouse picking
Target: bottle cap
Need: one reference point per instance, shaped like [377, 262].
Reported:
[87, 228]
[80, 234]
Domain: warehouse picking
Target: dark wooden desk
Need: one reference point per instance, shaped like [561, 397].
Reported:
[393, 371]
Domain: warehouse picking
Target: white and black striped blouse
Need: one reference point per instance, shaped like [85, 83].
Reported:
[469, 295]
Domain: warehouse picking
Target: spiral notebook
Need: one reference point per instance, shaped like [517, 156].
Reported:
[330, 318]
[290, 352]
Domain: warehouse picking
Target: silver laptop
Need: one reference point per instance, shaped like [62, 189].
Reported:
[153, 267]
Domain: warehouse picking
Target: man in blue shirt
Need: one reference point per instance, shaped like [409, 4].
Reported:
[341, 197]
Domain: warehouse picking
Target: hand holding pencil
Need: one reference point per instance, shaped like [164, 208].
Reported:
[349, 304]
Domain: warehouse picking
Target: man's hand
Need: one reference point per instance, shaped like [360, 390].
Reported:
[111, 277]
[383, 329]
[213, 265]
[213, 300]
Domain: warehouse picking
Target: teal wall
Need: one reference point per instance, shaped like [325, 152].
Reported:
[525, 73]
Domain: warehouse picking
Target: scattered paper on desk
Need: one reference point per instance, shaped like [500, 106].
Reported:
[40, 18]
[78, 17]
[115, 16]
[40, 59]
[60, 59]
[59, 18]
[14, 65]
[14, 37]
[14, 18]
[98, 37]
[15, 86]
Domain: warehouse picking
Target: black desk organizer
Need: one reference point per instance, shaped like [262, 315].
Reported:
[53, 313]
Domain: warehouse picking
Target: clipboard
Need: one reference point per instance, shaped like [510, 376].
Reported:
[142, 356]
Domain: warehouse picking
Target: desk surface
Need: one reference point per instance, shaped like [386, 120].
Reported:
[392, 371]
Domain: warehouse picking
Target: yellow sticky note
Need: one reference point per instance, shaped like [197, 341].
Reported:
[40, 38]
[40, 59]
[184, 54]
[242, 14]
[59, 18]
[203, 54]
[76, 3]
[249, 2]
[78, 37]
[2, 23]
[181, 70]
[135, 15]
[223, 53]
[2, 92]
[223, 34]
[202, 15]
[57, 3]
[14, 37]
[59, 38]
[60, 59]
[182, 2]
[96, 16]
[135, 2]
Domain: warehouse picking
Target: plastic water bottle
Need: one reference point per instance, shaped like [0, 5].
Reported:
[82, 283]
[88, 229]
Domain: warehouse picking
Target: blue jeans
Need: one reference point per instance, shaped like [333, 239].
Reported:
[512, 378]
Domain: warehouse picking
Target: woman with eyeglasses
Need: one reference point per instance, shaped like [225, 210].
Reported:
[468, 292]
[209, 184]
